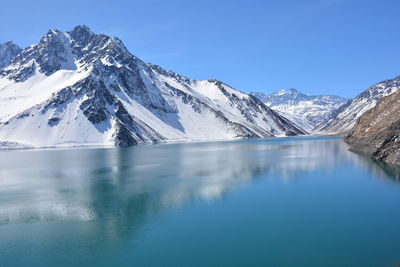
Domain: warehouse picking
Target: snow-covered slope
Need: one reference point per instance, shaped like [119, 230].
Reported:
[343, 119]
[8, 51]
[81, 88]
[307, 111]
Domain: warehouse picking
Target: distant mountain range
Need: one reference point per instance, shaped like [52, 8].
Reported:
[307, 111]
[82, 88]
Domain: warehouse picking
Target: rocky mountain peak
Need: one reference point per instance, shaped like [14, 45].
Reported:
[9, 44]
[81, 30]
[82, 35]
[8, 51]
[290, 91]
[377, 91]
[52, 53]
[88, 88]
[343, 119]
[79, 48]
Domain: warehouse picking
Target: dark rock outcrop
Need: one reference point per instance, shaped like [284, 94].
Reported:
[377, 131]
[8, 51]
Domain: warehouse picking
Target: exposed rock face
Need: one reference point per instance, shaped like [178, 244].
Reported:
[343, 119]
[82, 88]
[307, 111]
[377, 131]
[8, 51]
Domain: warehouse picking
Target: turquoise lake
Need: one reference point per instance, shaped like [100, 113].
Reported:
[301, 201]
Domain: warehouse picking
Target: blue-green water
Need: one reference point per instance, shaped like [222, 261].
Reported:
[290, 201]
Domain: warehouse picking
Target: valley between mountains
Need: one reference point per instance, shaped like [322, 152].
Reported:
[79, 88]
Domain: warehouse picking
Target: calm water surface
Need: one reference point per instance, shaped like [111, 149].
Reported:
[290, 201]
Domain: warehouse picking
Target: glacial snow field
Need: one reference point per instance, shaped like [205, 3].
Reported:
[81, 88]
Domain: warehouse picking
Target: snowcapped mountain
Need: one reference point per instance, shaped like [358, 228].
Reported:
[343, 119]
[82, 88]
[8, 51]
[307, 111]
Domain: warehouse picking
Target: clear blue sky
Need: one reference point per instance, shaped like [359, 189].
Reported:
[317, 46]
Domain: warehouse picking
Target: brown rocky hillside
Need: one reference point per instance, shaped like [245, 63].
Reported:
[377, 131]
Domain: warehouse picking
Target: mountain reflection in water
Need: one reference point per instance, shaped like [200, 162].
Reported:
[114, 183]
[116, 191]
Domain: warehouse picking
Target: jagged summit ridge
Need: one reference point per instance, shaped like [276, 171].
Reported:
[343, 119]
[8, 51]
[82, 88]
